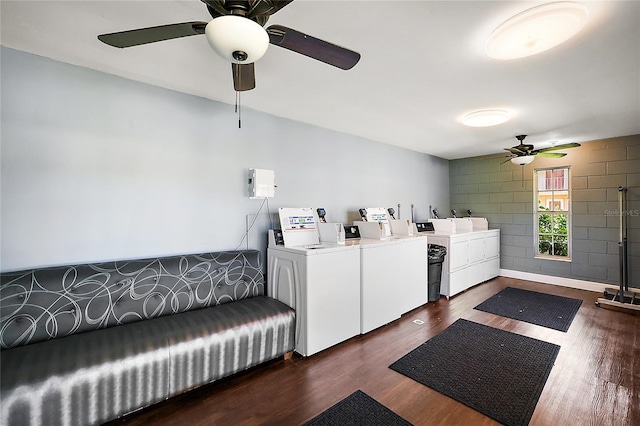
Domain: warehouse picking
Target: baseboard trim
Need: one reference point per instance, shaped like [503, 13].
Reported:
[560, 281]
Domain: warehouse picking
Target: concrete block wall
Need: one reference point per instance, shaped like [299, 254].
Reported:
[503, 193]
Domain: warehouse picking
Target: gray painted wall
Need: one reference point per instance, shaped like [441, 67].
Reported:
[504, 194]
[96, 167]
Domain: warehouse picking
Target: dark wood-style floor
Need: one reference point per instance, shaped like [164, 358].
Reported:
[595, 381]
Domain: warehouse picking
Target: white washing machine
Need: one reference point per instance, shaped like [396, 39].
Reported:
[414, 266]
[393, 275]
[380, 298]
[320, 281]
[416, 261]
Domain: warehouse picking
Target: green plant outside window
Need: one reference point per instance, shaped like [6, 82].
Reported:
[553, 213]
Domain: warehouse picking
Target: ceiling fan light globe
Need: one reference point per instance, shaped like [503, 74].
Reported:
[523, 160]
[229, 34]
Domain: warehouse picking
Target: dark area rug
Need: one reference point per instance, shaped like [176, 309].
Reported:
[546, 310]
[498, 373]
[358, 409]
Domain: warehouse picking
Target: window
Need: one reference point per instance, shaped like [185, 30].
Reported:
[552, 213]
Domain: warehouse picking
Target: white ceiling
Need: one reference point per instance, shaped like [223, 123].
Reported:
[422, 68]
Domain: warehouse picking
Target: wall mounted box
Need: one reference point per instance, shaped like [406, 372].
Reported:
[261, 183]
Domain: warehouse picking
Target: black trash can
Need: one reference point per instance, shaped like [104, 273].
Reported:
[436, 254]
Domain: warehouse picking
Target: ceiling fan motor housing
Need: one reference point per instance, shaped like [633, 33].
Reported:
[237, 39]
[240, 56]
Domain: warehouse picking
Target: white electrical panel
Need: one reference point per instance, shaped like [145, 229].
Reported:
[261, 183]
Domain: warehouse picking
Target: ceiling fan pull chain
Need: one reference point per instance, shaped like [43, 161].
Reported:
[238, 76]
[238, 109]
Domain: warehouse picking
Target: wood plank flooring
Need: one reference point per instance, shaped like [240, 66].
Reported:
[595, 380]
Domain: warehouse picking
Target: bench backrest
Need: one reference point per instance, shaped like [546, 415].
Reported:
[46, 303]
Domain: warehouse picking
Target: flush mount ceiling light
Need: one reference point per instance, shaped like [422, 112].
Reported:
[486, 118]
[523, 160]
[536, 30]
[237, 39]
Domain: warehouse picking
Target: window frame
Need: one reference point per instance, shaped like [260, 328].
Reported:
[537, 213]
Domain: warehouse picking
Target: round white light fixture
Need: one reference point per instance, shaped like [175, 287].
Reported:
[237, 39]
[486, 118]
[523, 160]
[536, 30]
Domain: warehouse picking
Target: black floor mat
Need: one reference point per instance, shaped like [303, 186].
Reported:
[498, 373]
[546, 310]
[358, 409]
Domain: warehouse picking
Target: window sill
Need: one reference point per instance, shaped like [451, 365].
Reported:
[558, 258]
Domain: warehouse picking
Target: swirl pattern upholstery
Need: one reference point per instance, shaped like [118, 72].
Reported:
[85, 344]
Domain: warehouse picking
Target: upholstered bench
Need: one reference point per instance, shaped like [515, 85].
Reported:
[89, 343]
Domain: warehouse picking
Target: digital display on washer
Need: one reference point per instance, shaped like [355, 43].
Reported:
[378, 217]
[301, 222]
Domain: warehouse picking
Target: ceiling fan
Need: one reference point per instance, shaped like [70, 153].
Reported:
[236, 33]
[523, 154]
